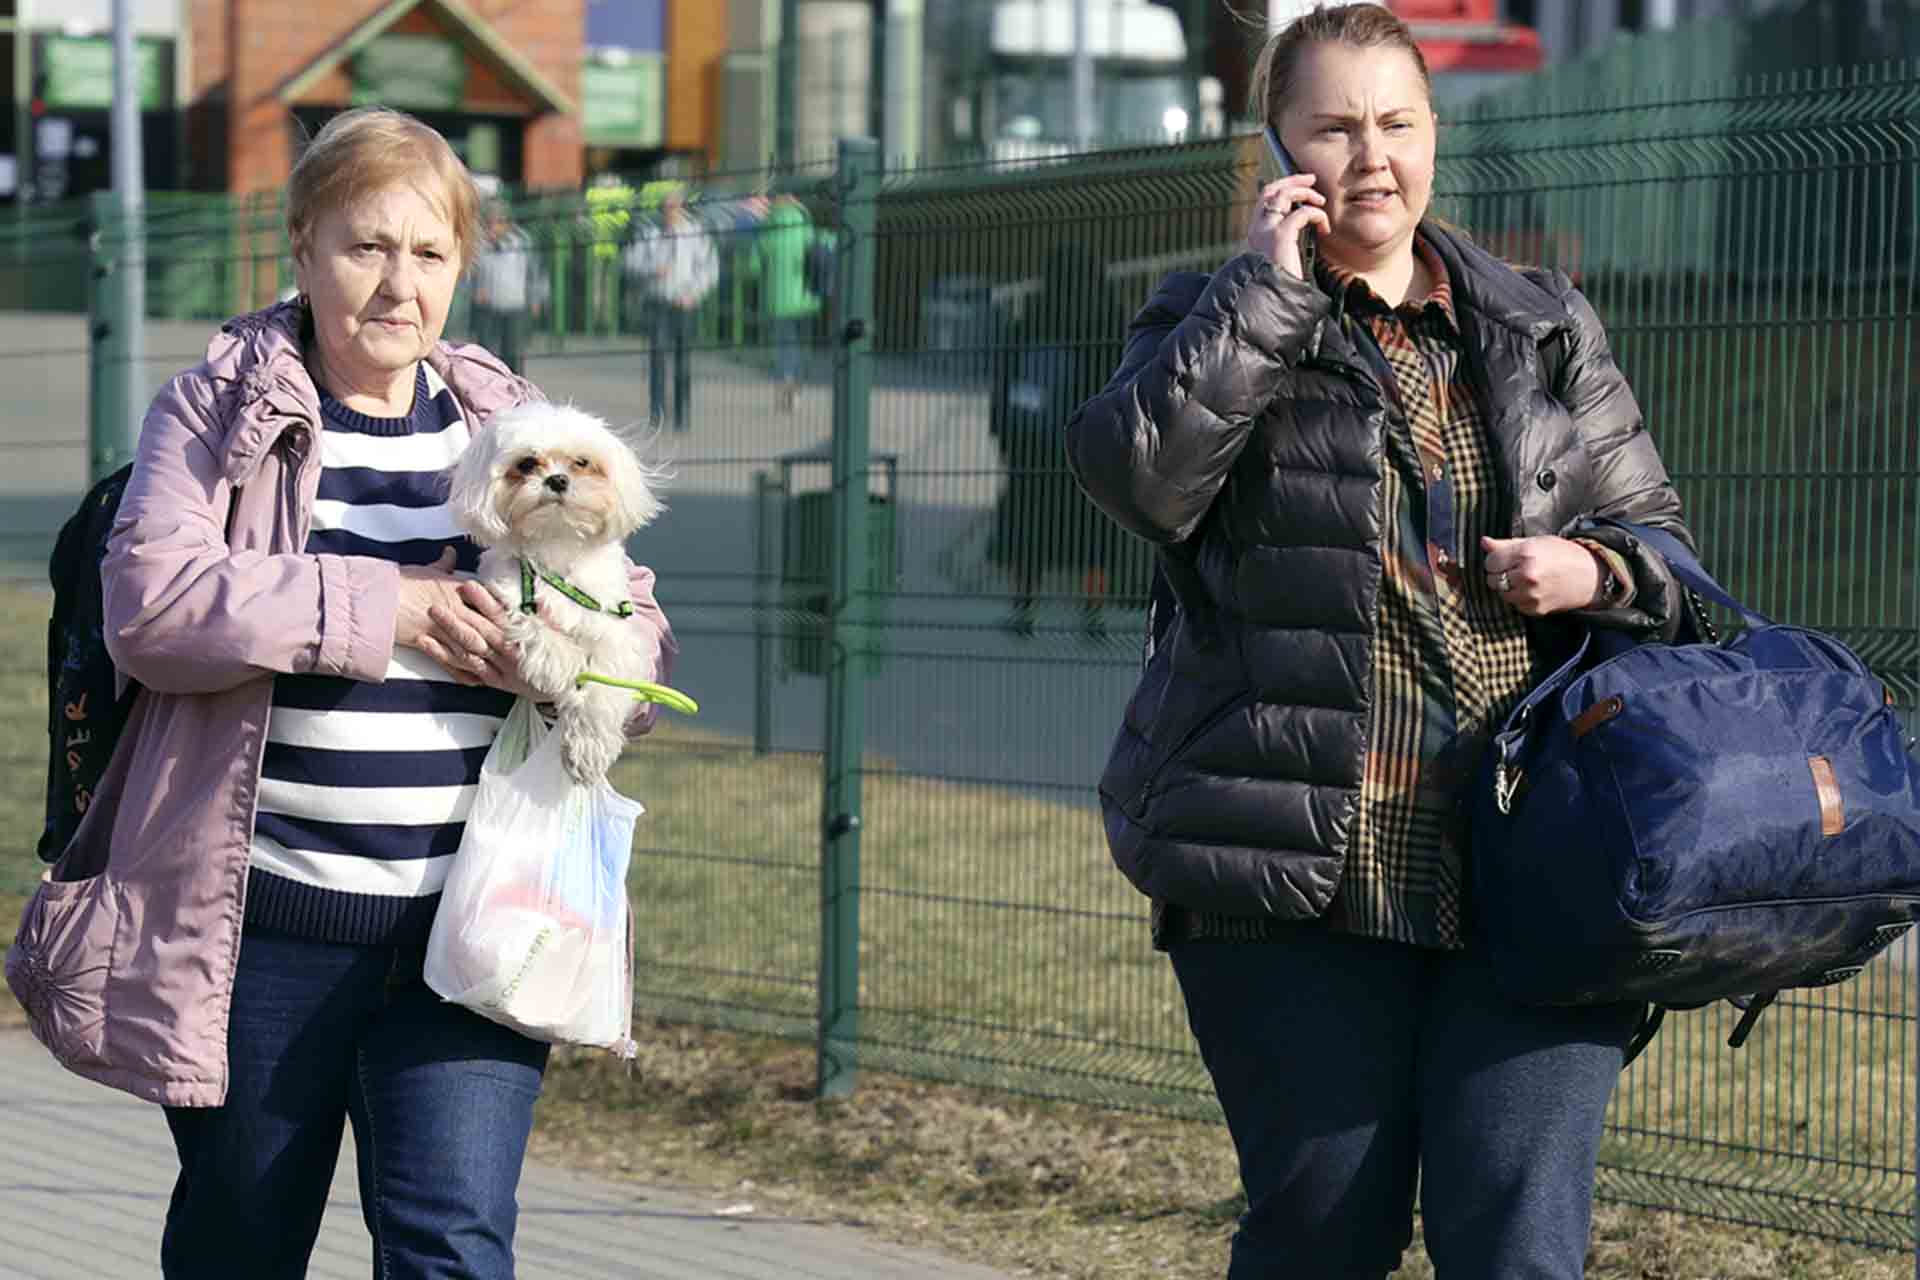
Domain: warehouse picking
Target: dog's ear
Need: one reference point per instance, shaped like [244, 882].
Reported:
[470, 488]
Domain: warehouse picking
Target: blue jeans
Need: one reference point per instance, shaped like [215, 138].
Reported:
[790, 346]
[441, 1102]
[503, 332]
[670, 330]
[1350, 1068]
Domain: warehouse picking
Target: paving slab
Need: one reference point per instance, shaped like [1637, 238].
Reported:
[85, 1172]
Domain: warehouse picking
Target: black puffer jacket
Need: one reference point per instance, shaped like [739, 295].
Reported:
[1243, 433]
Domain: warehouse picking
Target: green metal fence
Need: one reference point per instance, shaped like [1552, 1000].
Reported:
[44, 367]
[911, 637]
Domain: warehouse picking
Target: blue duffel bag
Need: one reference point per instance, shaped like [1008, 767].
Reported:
[1679, 824]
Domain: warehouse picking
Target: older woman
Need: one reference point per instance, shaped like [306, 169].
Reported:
[1372, 482]
[320, 688]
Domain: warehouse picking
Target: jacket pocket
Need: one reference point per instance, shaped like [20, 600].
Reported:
[60, 960]
[1166, 716]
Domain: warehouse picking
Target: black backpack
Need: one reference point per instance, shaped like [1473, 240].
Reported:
[85, 712]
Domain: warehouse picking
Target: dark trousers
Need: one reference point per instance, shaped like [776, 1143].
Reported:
[670, 331]
[1350, 1068]
[440, 1098]
[504, 333]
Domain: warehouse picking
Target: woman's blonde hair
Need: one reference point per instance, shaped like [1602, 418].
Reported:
[370, 148]
[1358, 26]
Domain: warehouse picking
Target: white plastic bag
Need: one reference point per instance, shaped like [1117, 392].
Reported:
[533, 928]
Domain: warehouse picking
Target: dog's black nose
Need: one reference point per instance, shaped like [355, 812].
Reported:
[557, 483]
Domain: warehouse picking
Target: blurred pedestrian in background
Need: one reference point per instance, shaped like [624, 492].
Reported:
[1056, 355]
[780, 254]
[609, 220]
[509, 288]
[671, 266]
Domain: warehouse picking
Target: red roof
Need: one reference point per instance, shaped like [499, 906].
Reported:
[1513, 49]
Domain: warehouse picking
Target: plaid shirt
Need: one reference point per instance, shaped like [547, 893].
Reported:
[1450, 658]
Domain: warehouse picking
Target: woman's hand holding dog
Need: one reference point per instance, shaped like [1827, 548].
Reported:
[458, 623]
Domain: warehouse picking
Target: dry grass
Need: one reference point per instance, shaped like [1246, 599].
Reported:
[1034, 1188]
[997, 946]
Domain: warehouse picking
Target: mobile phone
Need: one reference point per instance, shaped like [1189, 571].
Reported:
[1284, 163]
[1281, 160]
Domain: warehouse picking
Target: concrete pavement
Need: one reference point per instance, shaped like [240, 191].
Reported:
[85, 1172]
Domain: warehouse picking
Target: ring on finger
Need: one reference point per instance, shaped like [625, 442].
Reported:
[1506, 582]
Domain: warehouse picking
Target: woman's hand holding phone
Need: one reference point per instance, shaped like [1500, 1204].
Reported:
[1286, 210]
[1287, 207]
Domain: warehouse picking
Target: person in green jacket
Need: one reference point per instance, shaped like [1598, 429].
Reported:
[795, 265]
[609, 213]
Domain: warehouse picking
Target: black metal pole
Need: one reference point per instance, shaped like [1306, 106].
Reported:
[1199, 44]
[877, 77]
[786, 60]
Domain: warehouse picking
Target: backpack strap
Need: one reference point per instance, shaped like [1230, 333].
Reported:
[1687, 570]
[1644, 1033]
[1751, 1007]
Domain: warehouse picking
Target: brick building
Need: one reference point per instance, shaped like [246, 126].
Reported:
[650, 91]
[500, 78]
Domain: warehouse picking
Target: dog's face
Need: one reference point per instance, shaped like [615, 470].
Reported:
[549, 475]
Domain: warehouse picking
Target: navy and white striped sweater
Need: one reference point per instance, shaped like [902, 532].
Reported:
[365, 787]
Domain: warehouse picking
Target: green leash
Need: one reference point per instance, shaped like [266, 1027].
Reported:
[646, 691]
[529, 570]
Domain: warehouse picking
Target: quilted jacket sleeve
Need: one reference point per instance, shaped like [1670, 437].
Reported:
[1202, 360]
[186, 614]
[1630, 481]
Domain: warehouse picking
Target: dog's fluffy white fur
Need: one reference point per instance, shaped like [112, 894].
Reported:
[554, 485]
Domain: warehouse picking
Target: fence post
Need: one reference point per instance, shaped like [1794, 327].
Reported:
[766, 565]
[857, 187]
[560, 271]
[112, 414]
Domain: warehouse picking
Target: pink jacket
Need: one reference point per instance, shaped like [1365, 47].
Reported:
[125, 956]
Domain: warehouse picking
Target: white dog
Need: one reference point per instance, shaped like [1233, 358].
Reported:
[550, 493]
